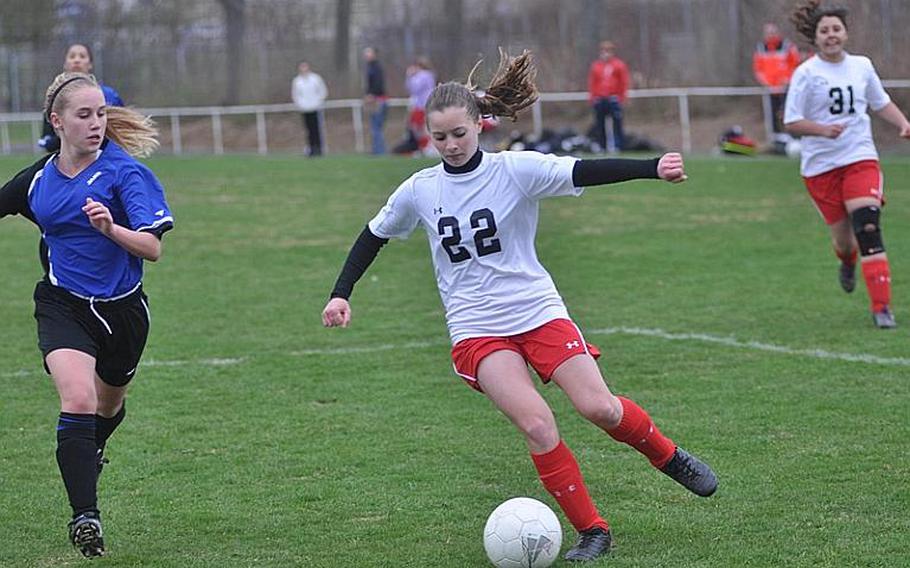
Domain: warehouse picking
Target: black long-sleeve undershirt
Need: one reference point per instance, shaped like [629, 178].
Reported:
[362, 254]
[612, 170]
[14, 193]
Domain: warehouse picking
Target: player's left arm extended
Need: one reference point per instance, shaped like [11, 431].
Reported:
[893, 114]
[668, 167]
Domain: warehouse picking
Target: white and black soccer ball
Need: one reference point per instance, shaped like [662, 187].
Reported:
[522, 533]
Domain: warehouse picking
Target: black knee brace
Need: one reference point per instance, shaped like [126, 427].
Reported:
[867, 230]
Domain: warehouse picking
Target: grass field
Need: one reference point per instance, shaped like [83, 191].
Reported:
[254, 437]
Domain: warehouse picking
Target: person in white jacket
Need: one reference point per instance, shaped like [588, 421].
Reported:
[308, 91]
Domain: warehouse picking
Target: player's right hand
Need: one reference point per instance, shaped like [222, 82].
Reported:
[337, 313]
[834, 130]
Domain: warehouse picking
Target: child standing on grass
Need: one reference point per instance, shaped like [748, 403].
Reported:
[503, 311]
[101, 214]
[826, 105]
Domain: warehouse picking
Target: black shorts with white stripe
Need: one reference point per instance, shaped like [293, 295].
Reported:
[112, 331]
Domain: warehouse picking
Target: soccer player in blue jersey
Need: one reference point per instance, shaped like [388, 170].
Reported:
[504, 313]
[101, 214]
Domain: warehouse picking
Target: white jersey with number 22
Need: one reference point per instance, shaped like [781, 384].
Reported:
[481, 227]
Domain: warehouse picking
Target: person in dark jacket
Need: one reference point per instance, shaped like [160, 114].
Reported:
[375, 99]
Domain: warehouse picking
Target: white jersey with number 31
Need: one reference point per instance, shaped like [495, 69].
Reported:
[481, 227]
[835, 93]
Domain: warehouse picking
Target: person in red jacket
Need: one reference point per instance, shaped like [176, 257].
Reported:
[773, 63]
[608, 88]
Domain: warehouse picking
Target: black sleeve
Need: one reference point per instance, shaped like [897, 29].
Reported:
[160, 230]
[14, 195]
[612, 170]
[364, 251]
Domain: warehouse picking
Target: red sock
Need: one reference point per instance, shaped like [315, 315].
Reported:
[878, 282]
[561, 477]
[638, 430]
[848, 258]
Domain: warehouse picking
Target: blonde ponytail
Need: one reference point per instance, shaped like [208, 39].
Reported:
[132, 131]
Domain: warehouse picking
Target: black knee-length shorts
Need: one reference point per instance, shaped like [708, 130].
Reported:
[112, 331]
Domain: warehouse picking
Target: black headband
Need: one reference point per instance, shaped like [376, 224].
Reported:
[56, 92]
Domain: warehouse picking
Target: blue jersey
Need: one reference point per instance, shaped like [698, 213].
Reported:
[111, 96]
[80, 258]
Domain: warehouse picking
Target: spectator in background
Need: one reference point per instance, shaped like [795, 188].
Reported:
[773, 63]
[375, 99]
[608, 88]
[78, 59]
[420, 82]
[308, 91]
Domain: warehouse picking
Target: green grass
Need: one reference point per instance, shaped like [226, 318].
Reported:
[255, 437]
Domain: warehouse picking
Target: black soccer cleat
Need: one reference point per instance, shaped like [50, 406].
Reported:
[591, 544]
[884, 319]
[86, 535]
[847, 276]
[691, 473]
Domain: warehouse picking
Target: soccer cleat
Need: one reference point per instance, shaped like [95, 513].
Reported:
[86, 535]
[884, 319]
[591, 544]
[101, 460]
[847, 275]
[691, 473]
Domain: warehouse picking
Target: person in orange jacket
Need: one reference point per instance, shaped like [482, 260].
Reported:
[608, 88]
[773, 63]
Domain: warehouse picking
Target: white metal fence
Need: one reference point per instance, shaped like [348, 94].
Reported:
[356, 107]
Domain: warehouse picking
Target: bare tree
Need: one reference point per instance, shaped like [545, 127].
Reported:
[235, 22]
[342, 35]
[593, 28]
[454, 32]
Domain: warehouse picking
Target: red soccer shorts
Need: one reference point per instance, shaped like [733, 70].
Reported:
[830, 190]
[545, 348]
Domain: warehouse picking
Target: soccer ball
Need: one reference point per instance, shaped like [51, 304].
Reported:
[522, 533]
[794, 148]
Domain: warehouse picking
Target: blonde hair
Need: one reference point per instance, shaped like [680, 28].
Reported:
[510, 91]
[132, 131]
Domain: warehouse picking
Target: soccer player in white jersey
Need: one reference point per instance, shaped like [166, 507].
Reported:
[479, 212]
[826, 105]
[101, 213]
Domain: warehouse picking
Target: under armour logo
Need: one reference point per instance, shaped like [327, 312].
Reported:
[573, 344]
[437, 211]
